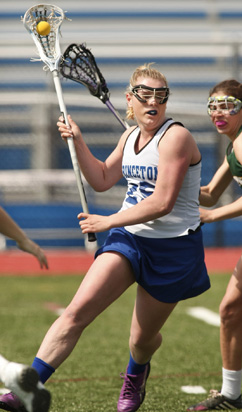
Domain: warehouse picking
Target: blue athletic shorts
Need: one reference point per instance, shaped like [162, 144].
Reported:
[170, 269]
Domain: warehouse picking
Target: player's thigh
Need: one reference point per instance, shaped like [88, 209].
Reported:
[149, 315]
[108, 277]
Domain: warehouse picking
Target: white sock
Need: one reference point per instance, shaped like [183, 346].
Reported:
[3, 364]
[231, 387]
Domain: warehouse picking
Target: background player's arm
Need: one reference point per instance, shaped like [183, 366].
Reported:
[229, 211]
[210, 194]
[9, 228]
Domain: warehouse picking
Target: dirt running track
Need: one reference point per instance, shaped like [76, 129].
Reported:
[63, 262]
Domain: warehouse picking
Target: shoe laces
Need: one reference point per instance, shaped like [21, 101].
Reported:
[129, 386]
[214, 393]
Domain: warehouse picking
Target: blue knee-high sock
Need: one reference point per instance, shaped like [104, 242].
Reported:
[135, 368]
[44, 369]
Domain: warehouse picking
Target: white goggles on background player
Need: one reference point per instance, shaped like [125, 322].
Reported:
[144, 93]
[225, 104]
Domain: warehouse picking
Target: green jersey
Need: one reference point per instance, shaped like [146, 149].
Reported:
[234, 165]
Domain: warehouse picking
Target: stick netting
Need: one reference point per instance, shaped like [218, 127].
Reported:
[47, 45]
[79, 64]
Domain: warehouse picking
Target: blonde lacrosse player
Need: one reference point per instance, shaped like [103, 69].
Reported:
[154, 240]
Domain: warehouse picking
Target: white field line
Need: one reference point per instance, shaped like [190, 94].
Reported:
[205, 315]
[193, 389]
[54, 307]
[59, 311]
[211, 318]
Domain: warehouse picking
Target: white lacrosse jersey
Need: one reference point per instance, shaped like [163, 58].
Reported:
[140, 170]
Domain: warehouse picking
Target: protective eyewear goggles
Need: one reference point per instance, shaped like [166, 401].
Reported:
[225, 104]
[144, 93]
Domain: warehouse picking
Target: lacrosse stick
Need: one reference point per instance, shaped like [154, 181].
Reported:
[43, 22]
[79, 64]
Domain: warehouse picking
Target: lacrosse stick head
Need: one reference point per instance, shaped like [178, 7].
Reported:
[47, 45]
[79, 64]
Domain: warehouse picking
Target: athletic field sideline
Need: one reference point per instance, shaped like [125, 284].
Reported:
[75, 261]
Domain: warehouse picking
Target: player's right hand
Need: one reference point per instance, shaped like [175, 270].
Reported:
[27, 245]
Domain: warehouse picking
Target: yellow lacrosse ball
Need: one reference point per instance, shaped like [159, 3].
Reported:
[43, 28]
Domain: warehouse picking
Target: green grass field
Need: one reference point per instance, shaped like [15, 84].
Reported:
[89, 380]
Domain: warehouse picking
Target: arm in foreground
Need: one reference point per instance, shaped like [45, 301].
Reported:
[101, 175]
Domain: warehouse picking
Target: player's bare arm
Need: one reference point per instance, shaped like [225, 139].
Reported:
[9, 228]
[100, 175]
[221, 213]
[210, 194]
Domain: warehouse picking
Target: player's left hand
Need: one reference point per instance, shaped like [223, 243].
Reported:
[27, 245]
[93, 223]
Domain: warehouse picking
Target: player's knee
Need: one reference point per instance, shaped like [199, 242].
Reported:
[144, 342]
[229, 312]
[74, 321]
